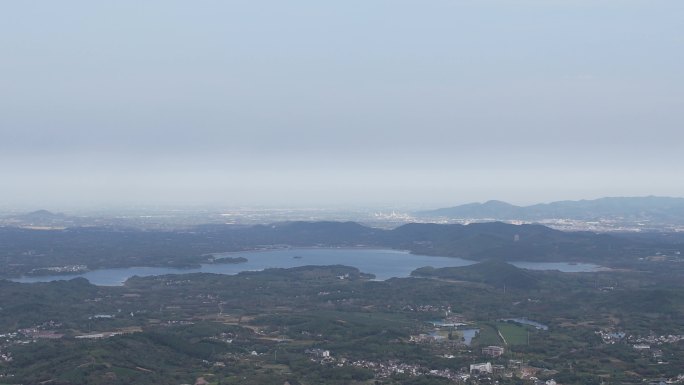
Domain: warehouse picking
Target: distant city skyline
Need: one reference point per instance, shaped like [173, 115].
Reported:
[315, 104]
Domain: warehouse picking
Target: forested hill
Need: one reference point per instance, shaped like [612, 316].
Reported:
[477, 241]
[501, 241]
[25, 249]
[494, 273]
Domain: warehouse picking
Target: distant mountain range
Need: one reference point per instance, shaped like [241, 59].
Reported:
[650, 209]
[643, 213]
[41, 218]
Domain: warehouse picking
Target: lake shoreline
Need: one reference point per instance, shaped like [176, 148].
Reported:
[382, 262]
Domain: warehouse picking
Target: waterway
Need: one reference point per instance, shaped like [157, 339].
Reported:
[383, 263]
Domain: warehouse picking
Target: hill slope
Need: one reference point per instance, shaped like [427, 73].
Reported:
[495, 273]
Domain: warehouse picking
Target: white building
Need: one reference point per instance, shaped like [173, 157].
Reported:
[481, 368]
[493, 351]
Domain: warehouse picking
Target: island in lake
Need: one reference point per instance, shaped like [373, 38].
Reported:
[229, 260]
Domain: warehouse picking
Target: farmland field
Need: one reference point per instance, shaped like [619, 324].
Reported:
[513, 333]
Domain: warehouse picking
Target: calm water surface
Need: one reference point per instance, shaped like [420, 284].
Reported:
[384, 264]
[526, 321]
[468, 334]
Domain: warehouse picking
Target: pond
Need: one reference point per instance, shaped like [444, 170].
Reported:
[525, 321]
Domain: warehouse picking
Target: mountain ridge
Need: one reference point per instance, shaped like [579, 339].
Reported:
[647, 208]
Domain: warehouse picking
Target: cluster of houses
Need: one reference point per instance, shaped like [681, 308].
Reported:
[656, 340]
[28, 335]
[638, 342]
[383, 369]
[478, 371]
[61, 269]
[34, 333]
[225, 337]
[646, 350]
[426, 308]
[610, 337]
[389, 368]
[318, 353]
[487, 372]
[321, 356]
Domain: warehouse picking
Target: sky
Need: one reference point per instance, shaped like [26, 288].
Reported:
[348, 103]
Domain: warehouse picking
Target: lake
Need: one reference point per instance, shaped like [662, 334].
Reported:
[384, 264]
[561, 266]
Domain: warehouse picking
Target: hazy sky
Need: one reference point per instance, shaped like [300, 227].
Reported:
[339, 102]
